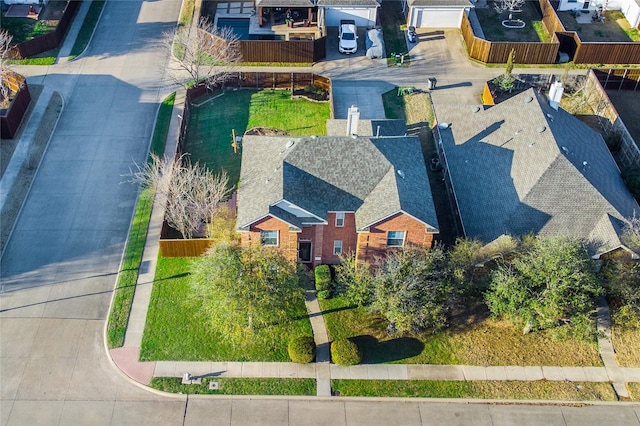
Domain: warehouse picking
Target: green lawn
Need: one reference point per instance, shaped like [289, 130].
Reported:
[208, 138]
[471, 339]
[176, 329]
[24, 29]
[88, 26]
[567, 391]
[233, 386]
[393, 23]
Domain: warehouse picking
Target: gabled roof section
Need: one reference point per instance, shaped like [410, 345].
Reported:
[325, 174]
[454, 4]
[521, 166]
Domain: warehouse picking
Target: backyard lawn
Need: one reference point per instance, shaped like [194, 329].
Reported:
[491, 22]
[614, 28]
[176, 330]
[210, 126]
[472, 339]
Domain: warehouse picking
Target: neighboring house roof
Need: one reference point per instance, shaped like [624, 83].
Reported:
[371, 3]
[300, 182]
[285, 3]
[441, 3]
[521, 166]
[338, 127]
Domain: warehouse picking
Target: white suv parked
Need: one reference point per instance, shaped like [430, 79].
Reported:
[348, 37]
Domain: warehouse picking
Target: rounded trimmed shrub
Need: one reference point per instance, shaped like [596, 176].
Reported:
[323, 277]
[324, 294]
[345, 352]
[302, 349]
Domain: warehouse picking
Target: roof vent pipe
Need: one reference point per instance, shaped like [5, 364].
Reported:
[555, 94]
[353, 116]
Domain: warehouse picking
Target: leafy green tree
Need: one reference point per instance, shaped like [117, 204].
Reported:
[245, 289]
[551, 284]
[354, 280]
[411, 289]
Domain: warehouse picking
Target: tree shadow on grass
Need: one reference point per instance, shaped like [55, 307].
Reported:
[376, 352]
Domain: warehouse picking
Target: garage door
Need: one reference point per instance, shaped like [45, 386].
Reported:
[437, 18]
[364, 16]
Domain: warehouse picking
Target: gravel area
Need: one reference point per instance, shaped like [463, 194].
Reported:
[21, 186]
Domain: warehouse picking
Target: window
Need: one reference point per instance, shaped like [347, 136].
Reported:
[339, 219]
[337, 247]
[395, 239]
[269, 238]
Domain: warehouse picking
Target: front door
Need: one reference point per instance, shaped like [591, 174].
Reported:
[304, 251]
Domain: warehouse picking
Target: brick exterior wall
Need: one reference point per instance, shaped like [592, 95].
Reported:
[287, 240]
[367, 245]
[374, 243]
[346, 234]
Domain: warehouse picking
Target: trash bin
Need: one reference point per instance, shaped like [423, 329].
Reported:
[432, 83]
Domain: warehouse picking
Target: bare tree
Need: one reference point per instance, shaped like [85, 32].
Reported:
[192, 193]
[508, 5]
[204, 53]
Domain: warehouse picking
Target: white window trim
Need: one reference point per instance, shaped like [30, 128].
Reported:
[277, 238]
[339, 216]
[404, 237]
[336, 245]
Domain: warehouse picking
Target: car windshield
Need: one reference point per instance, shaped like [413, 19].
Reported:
[348, 36]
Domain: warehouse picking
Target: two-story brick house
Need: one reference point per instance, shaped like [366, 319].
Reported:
[315, 198]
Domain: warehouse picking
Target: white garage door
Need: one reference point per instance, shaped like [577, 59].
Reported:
[436, 18]
[364, 16]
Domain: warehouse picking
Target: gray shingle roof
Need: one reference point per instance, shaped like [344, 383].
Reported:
[441, 3]
[521, 166]
[338, 127]
[329, 173]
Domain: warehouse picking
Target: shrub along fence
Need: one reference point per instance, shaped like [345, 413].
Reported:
[48, 41]
[260, 80]
[11, 117]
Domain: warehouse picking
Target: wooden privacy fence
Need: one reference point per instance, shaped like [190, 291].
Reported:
[618, 78]
[48, 41]
[293, 51]
[260, 80]
[492, 52]
[607, 53]
[11, 118]
[546, 53]
[629, 154]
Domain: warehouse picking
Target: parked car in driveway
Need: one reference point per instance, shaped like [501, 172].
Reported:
[348, 35]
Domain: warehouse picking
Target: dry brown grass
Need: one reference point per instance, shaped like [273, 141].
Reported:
[495, 342]
[626, 341]
[542, 389]
[634, 391]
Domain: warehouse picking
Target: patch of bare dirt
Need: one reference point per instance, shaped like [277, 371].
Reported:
[265, 131]
[21, 186]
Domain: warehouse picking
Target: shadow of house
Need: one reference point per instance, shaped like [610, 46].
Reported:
[523, 167]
